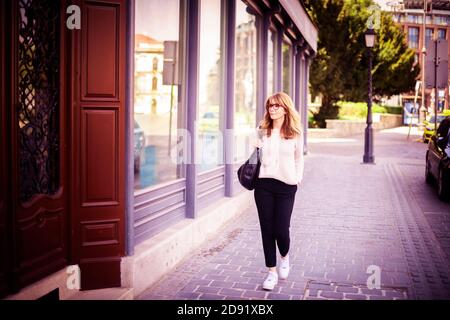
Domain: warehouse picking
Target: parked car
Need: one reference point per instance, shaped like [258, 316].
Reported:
[437, 166]
[429, 125]
[139, 143]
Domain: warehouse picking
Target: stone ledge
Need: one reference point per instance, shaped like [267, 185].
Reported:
[345, 128]
[104, 294]
[160, 254]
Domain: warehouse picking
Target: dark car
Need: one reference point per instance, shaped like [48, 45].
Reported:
[139, 142]
[437, 166]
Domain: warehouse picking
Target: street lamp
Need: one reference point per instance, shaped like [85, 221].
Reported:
[422, 108]
[368, 137]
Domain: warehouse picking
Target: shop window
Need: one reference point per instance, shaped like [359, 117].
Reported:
[287, 68]
[270, 62]
[210, 143]
[413, 37]
[245, 81]
[156, 110]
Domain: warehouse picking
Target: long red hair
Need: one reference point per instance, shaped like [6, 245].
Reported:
[291, 125]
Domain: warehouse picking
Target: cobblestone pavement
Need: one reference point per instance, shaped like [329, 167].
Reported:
[347, 217]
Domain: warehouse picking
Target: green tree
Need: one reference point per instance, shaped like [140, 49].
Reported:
[340, 69]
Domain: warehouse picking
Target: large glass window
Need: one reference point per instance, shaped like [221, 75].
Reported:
[270, 62]
[413, 37]
[286, 48]
[413, 18]
[209, 147]
[245, 81]
[440, 20]
[156, 109]
[441, 33]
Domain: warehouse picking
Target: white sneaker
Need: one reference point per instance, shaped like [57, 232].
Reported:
[271, 281]
[284, 268]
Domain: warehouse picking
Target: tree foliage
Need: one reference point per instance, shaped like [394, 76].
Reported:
[340, 68]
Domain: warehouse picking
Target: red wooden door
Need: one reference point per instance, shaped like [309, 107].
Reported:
[4, 245]
[99, 142]
[37, 155]
[62, 140]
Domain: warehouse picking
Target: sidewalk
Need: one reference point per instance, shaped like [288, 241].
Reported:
[347, 217]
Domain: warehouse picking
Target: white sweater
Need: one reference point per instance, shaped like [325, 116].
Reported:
[281, 159]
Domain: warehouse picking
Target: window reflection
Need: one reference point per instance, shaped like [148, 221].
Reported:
[245, 80]
[413, 37]
[429, 34]
[156, 91]
[209, 139]
[286, 48]
[270, 62]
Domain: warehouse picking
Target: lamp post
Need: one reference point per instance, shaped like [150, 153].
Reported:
[422, 108]
[368, 137]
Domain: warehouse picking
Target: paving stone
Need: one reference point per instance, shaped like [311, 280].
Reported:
[203, 289]
[245, 286]
[231, 292]
[254, 294]
[278, 296]
[222, 284]
[347, 289]
[355, 296]
[383, 215]
[331, 295]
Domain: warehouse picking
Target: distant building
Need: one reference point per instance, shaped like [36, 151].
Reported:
[151, 96]
[410, 14]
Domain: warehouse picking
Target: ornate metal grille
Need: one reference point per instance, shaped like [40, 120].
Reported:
[38, 97]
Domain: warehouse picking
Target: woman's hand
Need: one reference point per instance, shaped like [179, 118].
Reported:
[258, 144]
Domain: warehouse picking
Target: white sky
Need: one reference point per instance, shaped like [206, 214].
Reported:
[158, 19]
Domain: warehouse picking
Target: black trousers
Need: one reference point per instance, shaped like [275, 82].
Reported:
[274, 201]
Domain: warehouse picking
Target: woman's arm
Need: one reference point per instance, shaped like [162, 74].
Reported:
[299, 158]
[257, 138]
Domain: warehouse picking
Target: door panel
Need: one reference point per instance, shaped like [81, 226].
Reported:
[99, 157]
[99, 142]
[101, 52]
[38, 137]
[4, 244]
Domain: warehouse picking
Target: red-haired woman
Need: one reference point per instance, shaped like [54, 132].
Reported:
[280, 138]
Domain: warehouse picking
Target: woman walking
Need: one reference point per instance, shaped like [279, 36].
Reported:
[280, 138]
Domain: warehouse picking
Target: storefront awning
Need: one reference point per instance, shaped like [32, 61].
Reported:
[302, 21]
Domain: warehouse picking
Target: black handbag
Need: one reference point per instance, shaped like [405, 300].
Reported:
[249, 171]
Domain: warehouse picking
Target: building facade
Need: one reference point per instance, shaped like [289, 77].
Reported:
[421, 22]
[131, 126]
